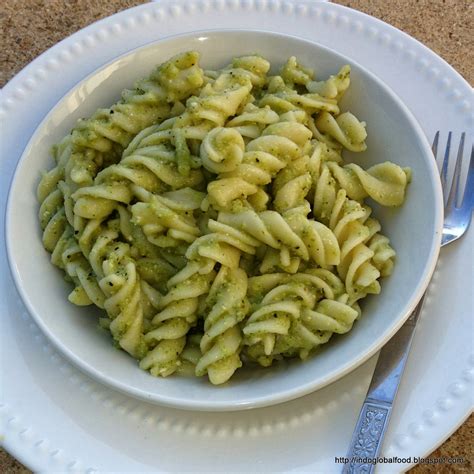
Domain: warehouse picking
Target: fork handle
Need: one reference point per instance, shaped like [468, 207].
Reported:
[375, 413]
[367, 438]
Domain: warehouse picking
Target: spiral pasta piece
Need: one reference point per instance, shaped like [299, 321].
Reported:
[128, 300]
[334, 316]
[286, 101]
[121, 285]
[345, 218]
[384, 254]
[321, 280]
[293, 73]
[329, 316]
[321, 243]
[284, 320]
[266, 323]
[291, 187]
[216, 102]
[68, 256]
[252, 120]
[178, 313]
[226, 306]
[61, 154]
[54, 195]
[167, 220]
[385, 182]
[334, 87]
[345, 128]
[273, 314]
[255, 67]
[222, 150]
[190, 355]
[222, 245]
[269, 228]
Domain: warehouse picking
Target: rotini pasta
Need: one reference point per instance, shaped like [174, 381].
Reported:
[225, 307]
[211, 216]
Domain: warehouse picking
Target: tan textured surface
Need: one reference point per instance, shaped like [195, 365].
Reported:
[29, 27]
[445, 26]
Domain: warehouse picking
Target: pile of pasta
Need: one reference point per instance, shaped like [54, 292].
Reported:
[210, 214]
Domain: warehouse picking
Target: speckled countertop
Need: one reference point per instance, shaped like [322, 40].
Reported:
[29, 27]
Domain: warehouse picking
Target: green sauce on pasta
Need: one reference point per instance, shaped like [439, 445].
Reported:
[211, 216]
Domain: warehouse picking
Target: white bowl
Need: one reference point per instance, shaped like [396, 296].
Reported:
[414, 229]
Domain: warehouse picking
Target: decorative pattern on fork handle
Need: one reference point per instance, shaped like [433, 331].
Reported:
[371, 426]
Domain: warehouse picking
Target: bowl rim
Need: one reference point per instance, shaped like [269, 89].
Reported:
[272, 398]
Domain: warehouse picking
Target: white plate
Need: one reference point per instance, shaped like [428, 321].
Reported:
[55, 418]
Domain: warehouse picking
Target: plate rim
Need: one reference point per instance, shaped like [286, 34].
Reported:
[353, 14]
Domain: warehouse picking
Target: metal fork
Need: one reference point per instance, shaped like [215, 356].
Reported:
[375, 413]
